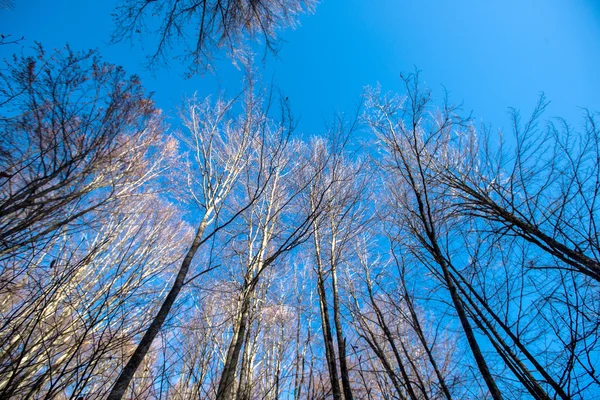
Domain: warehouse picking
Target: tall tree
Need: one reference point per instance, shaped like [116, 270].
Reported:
[512, 234]
[75, 131]
[81, 142]
[408, 138]
[274, 226]
[221, 148]
[342, 221]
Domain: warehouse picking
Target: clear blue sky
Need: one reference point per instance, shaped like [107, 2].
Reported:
[488, 54]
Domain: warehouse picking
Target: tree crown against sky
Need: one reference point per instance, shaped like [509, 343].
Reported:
[488, 56]
[406, 252]
[202, 29]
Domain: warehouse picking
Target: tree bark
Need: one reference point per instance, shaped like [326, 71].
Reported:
[341, 340]
[226, 387]
[328, 339]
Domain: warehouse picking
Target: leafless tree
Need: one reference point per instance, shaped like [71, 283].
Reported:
[195, 30]
[344, 181]
[221, 148]
[66, 326]
[543, 190]
[536, 199]
[507, 278]
[407, 136]
[408, 353]
[272, 228]
[342, 270]
[81, 145]
[74, 134]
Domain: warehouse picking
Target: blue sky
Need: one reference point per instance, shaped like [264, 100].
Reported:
[489, 54]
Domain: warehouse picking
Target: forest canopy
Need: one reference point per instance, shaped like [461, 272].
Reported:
[405, 252]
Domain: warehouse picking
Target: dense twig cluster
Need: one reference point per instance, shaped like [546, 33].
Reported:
[197, 30]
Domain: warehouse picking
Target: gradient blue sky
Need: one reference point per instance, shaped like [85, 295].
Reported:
[489, 54]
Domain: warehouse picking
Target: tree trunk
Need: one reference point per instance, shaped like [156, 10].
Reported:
[388, 335]
[326, 323]
[419, 331]
[525, 376]
[226, 387]
[341, 340]
[328, 339]
[466, 325]
[136, 359]
[245, 385]
[431, 244]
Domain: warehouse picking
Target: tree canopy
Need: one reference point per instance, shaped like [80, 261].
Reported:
[403, 253]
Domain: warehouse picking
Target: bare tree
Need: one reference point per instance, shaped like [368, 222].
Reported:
[536, 201]
[221, 148]
[274, 226]
[74, 134]
[197, 29]
[65, 327]
[260, 228]
[342, 221]
[408, 138]
[338, 278]
[81, 143]
[543, 190]
[504, 234]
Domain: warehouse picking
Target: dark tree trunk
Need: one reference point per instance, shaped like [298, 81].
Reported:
[136, 359]
[328, 338]
[226, 387]
[341, 340]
